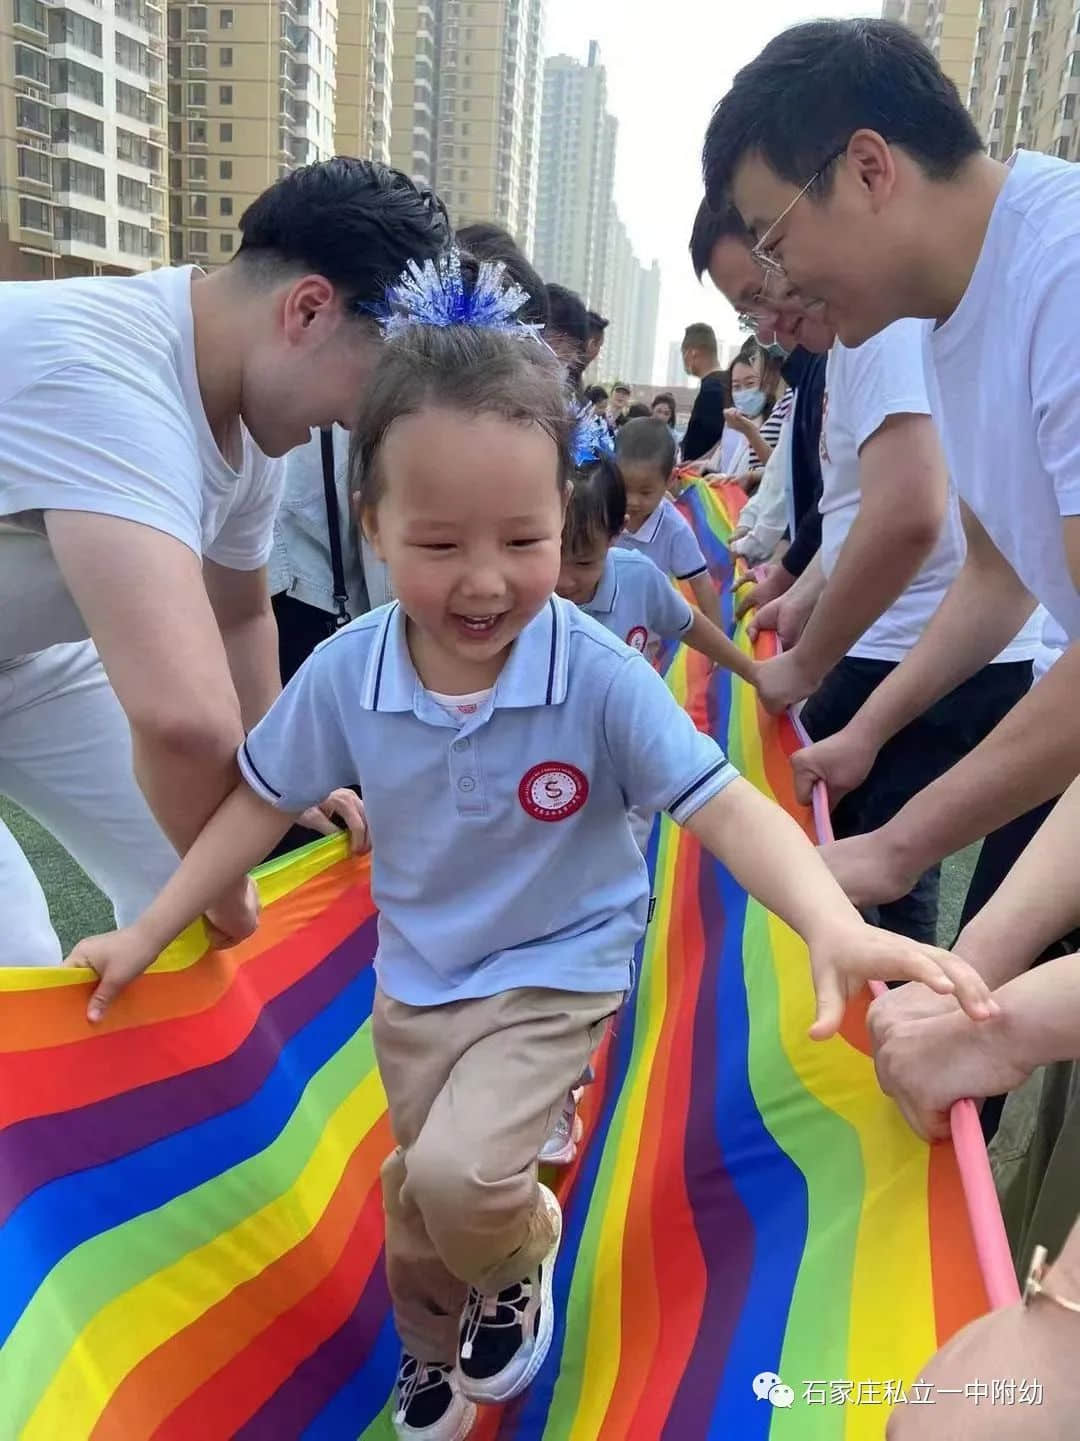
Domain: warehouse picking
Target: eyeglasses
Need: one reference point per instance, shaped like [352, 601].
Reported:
[761, 252]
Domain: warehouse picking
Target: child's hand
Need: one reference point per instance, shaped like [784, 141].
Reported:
[847, 957]
[116, 958]
[347, 807]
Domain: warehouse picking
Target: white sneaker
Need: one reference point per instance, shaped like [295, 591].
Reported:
[428, 1404]
[560, 1148]
[505, 1338]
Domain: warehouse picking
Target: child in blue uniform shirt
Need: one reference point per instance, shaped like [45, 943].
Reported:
[499, 735]
[646, 455]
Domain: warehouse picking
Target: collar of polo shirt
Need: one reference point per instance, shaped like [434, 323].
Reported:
[535, 673]
[647, 533]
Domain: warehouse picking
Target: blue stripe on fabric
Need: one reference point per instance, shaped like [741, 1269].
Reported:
[63, 1215]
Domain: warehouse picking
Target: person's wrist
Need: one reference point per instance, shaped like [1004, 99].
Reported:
[993, 952]
[902, 849]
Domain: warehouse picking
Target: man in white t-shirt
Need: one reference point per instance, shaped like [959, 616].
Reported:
[140, 422]
[865, 183]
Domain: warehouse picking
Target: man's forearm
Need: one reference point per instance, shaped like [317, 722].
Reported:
[1032, 756]
[252, 651]
[872, 570]
[1036, 904]
[981, 613]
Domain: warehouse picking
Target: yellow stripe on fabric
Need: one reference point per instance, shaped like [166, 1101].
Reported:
[892, 1313]
[145, 1317]
[604, 1339]
[275, 880]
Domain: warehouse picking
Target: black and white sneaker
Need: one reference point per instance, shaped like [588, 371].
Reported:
[428, 1404]
[505, 1338]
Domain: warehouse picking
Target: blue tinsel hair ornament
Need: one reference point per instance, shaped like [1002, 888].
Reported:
[435, 293]
[591, 439]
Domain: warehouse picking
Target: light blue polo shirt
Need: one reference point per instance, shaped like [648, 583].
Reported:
[503, 856]
[668, 539]
[636, 601]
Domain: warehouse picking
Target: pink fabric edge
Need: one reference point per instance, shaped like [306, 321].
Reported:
[984, 1212]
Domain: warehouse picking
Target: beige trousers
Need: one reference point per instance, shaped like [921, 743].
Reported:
[474, 1089]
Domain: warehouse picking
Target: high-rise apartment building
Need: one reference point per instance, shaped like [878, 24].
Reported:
[466, 103]
[82, 138]
[1016, 65]
[576, 176]
[947, 26]
[251, 96]
[365, 62]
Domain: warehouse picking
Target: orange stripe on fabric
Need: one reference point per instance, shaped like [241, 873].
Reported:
[149, 1394]
[959, 1290]
[225, 1402]
[35, 1019]
[680, 1264]
[106, 1064]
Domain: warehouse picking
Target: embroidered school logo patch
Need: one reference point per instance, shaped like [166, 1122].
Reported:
[553, 790]
[637, 637]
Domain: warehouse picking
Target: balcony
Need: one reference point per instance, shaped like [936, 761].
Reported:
[31, 17]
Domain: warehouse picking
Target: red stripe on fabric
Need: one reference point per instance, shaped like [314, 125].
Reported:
[230, 1397]
[40, 1082]
[55, 1016]
[161, 1383]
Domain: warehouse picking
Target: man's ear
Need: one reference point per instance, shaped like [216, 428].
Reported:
[310, 308]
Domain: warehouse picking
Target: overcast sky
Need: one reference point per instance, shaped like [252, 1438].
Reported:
[668, 62]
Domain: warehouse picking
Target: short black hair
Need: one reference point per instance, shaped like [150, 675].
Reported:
[646, 442]
[665, 397]
[596, 394]
[567, 315]
[597, 505]
[700, 336]
[597, 323]
[356, 222]
[712, 226]
[487, 241]
[637, 411]
[814, 85]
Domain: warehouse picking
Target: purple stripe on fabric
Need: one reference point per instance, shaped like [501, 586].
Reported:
[316, 1381]
[39, 1150]
[724, 1228]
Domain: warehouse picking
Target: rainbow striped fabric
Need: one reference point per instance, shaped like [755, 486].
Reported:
[190, 1221]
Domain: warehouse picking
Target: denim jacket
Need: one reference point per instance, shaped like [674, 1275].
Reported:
[300, 562]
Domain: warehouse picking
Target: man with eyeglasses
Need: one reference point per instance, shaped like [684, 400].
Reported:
[858, 610]
[852, 159]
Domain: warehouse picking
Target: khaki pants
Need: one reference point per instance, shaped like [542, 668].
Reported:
[474, 1089]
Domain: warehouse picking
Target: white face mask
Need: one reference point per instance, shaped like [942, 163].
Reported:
[749, 402]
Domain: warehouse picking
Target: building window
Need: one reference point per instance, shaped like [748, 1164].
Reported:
[1003, 84]
[1010, 18]
[197, 167]
[225, 19]
[196, 132]
[32, 14]
[225, 170]
[32, 64]
[225, 94]
[79, 80]
[33, 215]
[80, 225]
[197, 242]
[134, 239]
[83, 179]
[224, 55]
[225, 205]
[71, 128]
[196, 93]
[1061, 149]
[1006, 51]
[196, 57]
[197, 206]
[133, 194]
[225, 132]
[196, 17]
[226, 242]
[133, 102]
[67, 28]
[175, 23]
[131, 55]
[1074, 63]
[31, 115]
[35, 165]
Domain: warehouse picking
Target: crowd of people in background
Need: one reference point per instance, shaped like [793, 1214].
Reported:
[192, 515]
